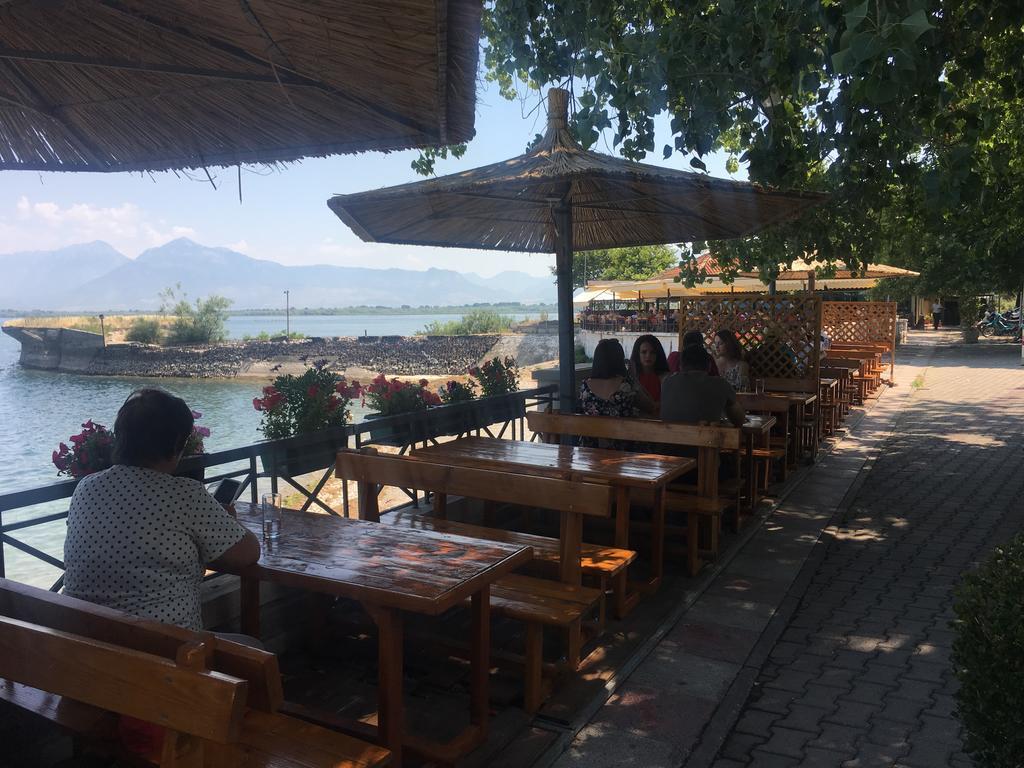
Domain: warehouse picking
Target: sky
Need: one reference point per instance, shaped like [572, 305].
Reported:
[283, 214]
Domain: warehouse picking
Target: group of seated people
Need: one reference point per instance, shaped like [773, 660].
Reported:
[631, 319]
[690, 386]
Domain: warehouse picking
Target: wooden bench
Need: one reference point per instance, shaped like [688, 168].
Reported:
[536, 602]
[81, 666]
[703, 501]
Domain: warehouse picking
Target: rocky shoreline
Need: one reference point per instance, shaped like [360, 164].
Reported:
[80, 352]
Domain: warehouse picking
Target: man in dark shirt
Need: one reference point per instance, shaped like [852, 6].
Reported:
[692, 395]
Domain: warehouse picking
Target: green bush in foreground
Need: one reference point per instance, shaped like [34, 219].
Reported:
[144, 331]
[988, 656]
[477, 321]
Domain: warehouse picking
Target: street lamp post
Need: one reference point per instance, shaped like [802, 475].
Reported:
[287, 318]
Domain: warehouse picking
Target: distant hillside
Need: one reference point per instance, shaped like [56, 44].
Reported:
[95, 277]
[43, 279]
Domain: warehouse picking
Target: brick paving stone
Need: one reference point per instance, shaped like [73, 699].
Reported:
[805, 718]
[757, 722]
[823, 758]
[787, 741]
[761, 759]
[853, 713]
[870, 641]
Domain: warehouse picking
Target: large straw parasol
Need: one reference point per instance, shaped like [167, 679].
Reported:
[129, 85]
[559, 197]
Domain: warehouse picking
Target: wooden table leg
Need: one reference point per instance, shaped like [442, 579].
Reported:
[480, 661]
[249, 594]
[621, 584]
[391, 712]
[751, 479]
[658, 536]
[570, 541]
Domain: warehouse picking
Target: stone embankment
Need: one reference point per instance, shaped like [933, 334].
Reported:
[80, 352]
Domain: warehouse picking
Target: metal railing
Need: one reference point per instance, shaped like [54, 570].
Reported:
[605, 324]
[286, 459]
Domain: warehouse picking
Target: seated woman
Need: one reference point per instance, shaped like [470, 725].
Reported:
[729, 359]
[649, 365]
[139, 538]
[611, 391]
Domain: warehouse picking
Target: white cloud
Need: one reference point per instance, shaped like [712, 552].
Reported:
[242, 246]
[42, 225]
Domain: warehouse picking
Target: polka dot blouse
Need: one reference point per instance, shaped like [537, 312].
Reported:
[138, 540]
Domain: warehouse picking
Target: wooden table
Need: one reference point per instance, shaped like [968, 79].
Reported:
[777, 404]
[391, 571]
[620, 469]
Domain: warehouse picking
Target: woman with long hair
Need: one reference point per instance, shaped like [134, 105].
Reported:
[729, 359]
[649, 364]
[611, 390]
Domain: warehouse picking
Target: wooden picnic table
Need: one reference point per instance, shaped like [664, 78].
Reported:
[622, 470]
[390, 571]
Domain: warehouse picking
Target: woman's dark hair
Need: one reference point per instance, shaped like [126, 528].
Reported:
[151, 426]
[693, 339]
[660, 361]
[609, 360]
[731, 344]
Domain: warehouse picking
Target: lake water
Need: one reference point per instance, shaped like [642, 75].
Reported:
[38, 410]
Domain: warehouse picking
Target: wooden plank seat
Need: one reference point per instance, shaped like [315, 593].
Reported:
[709, 440]
[535, 601]
[82, 666]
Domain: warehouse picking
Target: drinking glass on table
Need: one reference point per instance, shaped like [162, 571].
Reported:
[759, 386]
[271, 516]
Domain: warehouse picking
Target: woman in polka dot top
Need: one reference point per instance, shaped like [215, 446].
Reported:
[139, 538]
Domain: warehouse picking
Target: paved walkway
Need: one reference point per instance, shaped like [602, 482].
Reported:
[823, 640]
[861, 676]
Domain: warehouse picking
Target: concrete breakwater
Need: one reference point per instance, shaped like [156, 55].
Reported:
[73, 351]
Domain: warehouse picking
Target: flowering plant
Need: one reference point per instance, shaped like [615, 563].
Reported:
[90, 451]
[389, 397]
[194, 443]
[457, 392]
[295, 405]
[497, 376]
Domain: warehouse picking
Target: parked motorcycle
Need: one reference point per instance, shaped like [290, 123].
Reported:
[1005, 324]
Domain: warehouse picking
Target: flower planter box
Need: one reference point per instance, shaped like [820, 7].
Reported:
[394, 434]
[303, 458]
[497, 409]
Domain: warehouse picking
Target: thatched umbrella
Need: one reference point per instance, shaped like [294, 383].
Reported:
[559, 197]
[129, 85]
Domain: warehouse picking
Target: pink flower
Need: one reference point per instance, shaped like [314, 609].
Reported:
[203, 431]
[257, 404]
[196, 415]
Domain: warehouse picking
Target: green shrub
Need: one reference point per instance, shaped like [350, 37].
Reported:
[477, 321]
[144, 331]
[988, 657]
[204, 323]
[581, 355]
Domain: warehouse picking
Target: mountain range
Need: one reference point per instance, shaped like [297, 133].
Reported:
[96, 277]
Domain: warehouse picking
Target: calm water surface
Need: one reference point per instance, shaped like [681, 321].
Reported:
[38, 410]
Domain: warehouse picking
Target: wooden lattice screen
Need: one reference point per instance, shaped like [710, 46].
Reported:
[780, 335]
[862, 322]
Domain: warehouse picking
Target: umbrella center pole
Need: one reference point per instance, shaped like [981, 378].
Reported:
[561, 214]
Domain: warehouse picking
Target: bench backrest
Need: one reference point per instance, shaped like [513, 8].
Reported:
[792, 385]
[95, 622]
[368, 468]
[209, 705]
[637, 430]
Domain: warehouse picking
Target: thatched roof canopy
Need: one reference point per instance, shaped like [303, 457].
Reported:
[123, 85]
[615, 203]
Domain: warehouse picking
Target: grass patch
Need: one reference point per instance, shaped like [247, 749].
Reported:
[113, 324]
[918, 382]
